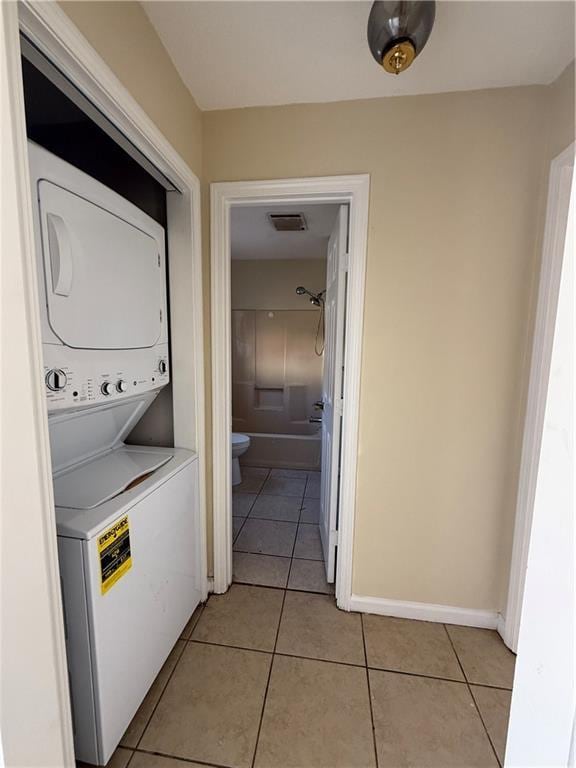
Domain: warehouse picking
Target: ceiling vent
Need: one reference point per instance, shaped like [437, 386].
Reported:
[288, 222]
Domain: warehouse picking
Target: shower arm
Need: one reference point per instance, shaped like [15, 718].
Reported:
[315, 298]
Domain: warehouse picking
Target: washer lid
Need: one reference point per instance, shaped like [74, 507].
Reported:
[94, 482]
[87, 432]
[104, 277]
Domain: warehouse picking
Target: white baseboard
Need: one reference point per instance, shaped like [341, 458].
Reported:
[501, 627]
[445, 614]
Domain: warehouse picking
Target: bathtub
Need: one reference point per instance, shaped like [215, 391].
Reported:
[283, 451]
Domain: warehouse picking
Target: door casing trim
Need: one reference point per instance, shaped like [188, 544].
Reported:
[353, 191]
[558, 201]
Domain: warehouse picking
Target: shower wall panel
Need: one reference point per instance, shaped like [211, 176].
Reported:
[276, 374]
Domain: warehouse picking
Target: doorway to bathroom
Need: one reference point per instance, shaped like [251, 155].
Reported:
[287, 298]
[281, 431]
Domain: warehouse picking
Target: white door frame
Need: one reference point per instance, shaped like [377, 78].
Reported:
[543, 708]
[552, 254]
[351, 190]
[50, 29]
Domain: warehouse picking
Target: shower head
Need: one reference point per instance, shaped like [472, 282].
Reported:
[315, 298]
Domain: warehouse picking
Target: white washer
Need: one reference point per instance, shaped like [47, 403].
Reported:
[127, 516]
[119, 636]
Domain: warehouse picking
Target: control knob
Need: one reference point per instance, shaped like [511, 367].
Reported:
[162, 367]
[106, 388]
[56, 379]
[121, 386]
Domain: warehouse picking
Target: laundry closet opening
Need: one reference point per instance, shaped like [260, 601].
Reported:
[127, 500]
[287, 299]
[62, 123]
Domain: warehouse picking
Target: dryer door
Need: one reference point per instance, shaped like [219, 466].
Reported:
[104, 277]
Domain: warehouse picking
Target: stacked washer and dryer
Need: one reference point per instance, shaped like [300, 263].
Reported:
[127, 516]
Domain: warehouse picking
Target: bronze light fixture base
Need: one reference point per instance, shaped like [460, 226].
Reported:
[399, 57]
[398, 30]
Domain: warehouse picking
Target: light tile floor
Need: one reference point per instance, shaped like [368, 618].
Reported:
[273, 675]
[276, 534]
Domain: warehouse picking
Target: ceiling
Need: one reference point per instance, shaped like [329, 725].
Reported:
[254, 237]
[243, 53]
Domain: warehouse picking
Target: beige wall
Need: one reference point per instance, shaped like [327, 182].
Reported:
[561, 113]
[271, 283]
[455, 182]
[457, 200]
[122, 35]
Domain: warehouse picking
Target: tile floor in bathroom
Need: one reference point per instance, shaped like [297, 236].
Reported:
[276, 676]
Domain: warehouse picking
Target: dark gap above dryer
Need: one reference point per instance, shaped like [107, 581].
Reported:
[54, 122]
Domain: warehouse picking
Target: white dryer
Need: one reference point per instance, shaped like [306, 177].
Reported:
[127, 516]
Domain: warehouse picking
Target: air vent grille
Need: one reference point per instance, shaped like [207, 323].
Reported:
[288, 222]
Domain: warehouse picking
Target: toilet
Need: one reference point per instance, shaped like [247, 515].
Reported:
[240, 444]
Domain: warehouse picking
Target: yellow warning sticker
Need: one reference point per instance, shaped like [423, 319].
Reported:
[114, 552]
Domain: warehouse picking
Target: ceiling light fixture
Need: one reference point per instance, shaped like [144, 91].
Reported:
[398, 30]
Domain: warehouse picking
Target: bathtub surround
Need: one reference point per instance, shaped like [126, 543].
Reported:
[276, 375]
[284, 451]
[452, 264]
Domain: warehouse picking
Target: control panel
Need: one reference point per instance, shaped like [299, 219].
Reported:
[77, 377]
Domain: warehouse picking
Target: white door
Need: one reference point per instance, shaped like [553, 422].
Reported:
[332, 388]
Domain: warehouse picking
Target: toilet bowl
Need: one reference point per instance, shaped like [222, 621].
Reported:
[240, 444]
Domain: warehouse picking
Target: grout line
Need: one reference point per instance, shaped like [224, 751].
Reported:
[391, 671]
[284, 557]
[288, 589]
[273, 651]
[229, 645]
[274, 519]
[369, 692]
[268, 681]
[200, 612]
[472, 696]
[238, 531]
[288, 579]
[194, 760]
[493, 687]
[292, 555]
[484, 724]
[322, 661]
[164, 687]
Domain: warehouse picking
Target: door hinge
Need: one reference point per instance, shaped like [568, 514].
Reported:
[158, 259]
[333, 539]
[339, 406]
[345, 262]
